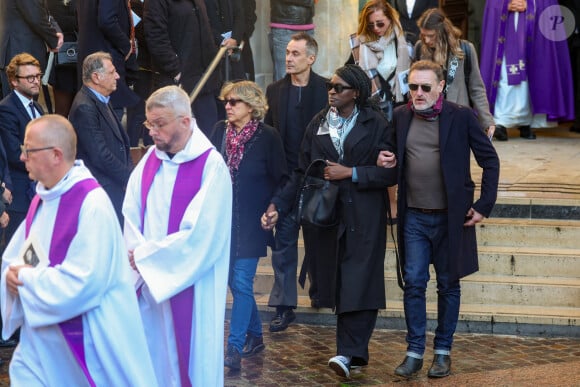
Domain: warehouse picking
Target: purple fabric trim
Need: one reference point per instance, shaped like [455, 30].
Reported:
[67, 219]
[186, 186]
[515, 48]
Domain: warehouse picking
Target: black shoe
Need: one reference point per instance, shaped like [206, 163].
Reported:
[253, 345]
[441, 366]
[527, 133]
[500, 133]
[233, 358]
[10, 343]
[315, 303]
[575, 129]
[281, 320]
[409, 367]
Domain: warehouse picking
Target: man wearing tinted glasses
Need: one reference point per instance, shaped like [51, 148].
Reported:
[436, 208]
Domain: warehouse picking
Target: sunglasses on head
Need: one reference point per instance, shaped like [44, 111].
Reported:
[379, 24]
[337, 87]
[231, 101]
[415, 87]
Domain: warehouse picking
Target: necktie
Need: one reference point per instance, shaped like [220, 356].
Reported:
[132, 33]
[32, 110]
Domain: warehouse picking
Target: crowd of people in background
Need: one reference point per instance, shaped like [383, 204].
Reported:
[220, 180]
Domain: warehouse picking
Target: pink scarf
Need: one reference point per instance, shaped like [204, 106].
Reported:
[235, 143]
[431, 113]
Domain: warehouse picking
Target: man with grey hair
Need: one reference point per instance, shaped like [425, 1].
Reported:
[75, 302]
[178, 210]
[103, 143]
[294, 100]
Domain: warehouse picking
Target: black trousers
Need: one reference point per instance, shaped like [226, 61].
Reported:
[353, 333]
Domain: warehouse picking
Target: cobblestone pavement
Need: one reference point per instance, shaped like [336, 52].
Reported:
[299, 356]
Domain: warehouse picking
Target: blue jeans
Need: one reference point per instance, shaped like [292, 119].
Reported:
[245, 317]
[279, 39]
[426, 241]
[285, 264]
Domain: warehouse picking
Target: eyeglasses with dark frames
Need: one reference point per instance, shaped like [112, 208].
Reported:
[415, 87]
[231, 101]
[337, 87]
[26, 152]
[379, 24]
[31, 78]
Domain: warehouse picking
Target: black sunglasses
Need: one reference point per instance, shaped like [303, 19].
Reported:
[231, 101]
[378, 24]
[415, 87]
[337, 87]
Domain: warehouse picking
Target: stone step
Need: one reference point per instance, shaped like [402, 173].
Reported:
[529, 233]
[519, 261]
[474, 318]
[476, 289]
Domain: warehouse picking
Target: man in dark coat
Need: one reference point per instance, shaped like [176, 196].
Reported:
[106, 25]
[103, 144]
[180, 41]
[437, 212]
[293, 101]
[26, 26]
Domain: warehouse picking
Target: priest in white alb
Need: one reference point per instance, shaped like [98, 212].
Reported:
[178, 209]
[66, 282]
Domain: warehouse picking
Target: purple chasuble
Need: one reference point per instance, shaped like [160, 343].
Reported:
[547, 62]
[187, 184]
[67, 219]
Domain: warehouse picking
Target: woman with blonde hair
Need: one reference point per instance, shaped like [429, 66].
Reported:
[254, 154]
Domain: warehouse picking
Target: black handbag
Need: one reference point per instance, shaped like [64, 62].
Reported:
[317, 199]
[67, 54]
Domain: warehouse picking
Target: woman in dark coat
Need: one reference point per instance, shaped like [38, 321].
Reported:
[255, 156]
[348, 134]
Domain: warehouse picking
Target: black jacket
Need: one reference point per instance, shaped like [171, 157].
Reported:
[178, 37]
[314, 99]
[357, 255]
[295, 12]
[260, 173]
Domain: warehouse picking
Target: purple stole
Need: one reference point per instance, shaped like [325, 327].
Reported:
[67, 219]
[515, 45]
[186, 186]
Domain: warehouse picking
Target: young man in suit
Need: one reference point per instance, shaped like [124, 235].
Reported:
[436, 207]
[103, 143]
[26, 26]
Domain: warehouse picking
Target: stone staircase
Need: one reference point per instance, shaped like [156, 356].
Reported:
[528, 282]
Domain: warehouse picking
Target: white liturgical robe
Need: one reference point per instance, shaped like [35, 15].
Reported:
[196, 255]
[93, 281]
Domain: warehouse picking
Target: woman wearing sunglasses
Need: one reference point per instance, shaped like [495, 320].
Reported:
[440, 42]
[255, 157]
[350, 265]
[380, 49]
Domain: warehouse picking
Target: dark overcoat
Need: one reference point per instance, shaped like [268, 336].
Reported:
[357, 258]
[258, 177]
[459, 134]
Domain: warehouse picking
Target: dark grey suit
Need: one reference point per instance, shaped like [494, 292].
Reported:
[103, 144]
[25, 26]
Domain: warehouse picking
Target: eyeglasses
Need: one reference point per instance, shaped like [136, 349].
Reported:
[415, 87]
[337, 87]
[379, 24]
[26, 152]
[156, 126]
[31, 78]
[231, 101]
